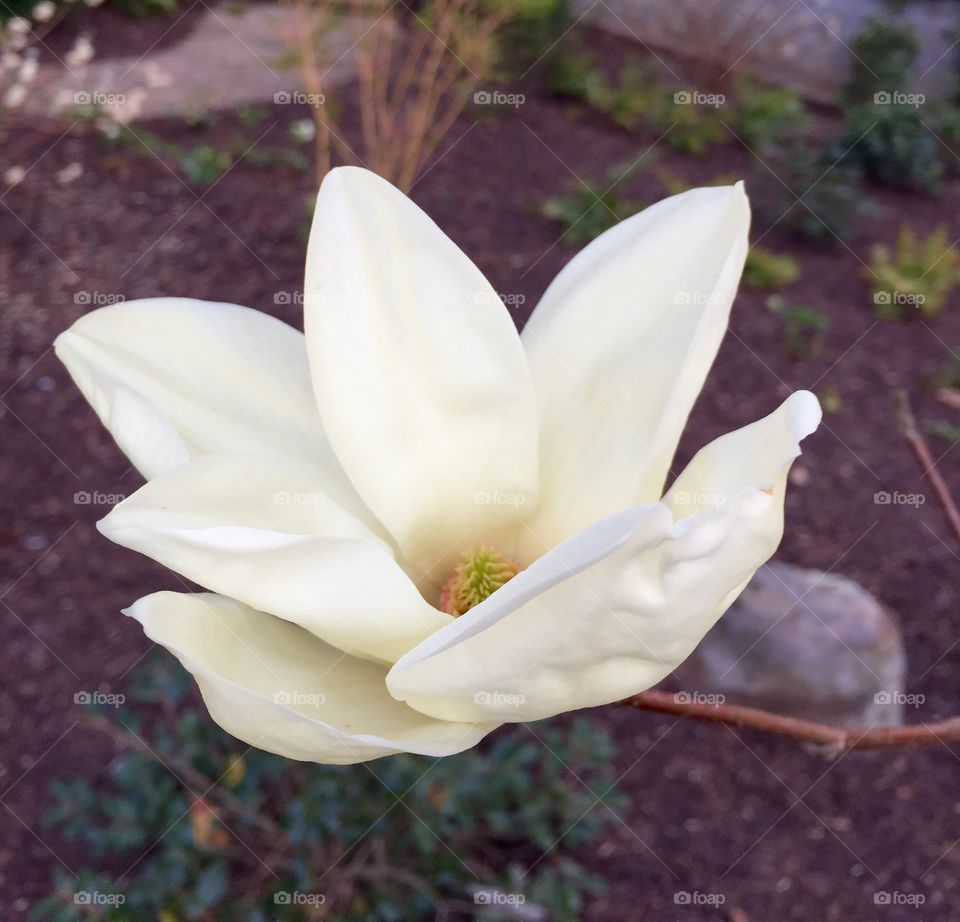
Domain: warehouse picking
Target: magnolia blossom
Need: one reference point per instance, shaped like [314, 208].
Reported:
[414, 524]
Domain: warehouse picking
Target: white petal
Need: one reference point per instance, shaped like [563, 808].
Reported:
[276, 687]
[419, 373]
[615, 609]
[261, 531]
[175, 378]
[619, 347]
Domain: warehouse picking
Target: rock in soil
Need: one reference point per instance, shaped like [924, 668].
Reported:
[808, 644]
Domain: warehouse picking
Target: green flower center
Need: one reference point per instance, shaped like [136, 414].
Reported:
[477, 577]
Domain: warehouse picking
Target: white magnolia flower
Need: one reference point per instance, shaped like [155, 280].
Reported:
[344, 495]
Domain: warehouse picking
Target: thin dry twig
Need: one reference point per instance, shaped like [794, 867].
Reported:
[416, 71]
[837, 739]
[908, 426]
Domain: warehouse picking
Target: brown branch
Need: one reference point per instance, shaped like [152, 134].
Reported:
[908, 426]
[837, 739]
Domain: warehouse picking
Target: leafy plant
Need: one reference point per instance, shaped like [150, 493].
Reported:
[534, 33]
[894, 147]
[763, 114]
[589, 210]
[883, 55]
[919, 271]
[765, 269]
[801, 324]
[203, 164]
[827, 185]
[687, 126]
[400, 838]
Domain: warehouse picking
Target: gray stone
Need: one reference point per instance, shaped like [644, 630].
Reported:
[808, 644]
[230, 58]
[805, 45]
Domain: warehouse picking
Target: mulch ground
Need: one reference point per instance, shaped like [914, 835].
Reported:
[779, 831]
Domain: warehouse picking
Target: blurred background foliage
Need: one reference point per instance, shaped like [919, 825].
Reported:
[435, 835]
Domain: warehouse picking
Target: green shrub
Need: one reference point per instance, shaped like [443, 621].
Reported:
[828, 184]
[401, 838]
[801, 325]
[535, 33]
[588, 211]
[765, 269]
[685, 125]
[763, 115]
[882, 57]
[894, 147]
[919, 272]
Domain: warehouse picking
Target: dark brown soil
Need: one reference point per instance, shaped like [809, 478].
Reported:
[777, 830]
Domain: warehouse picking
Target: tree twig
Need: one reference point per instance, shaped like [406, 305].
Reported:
[837, 739]
[908, 426]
